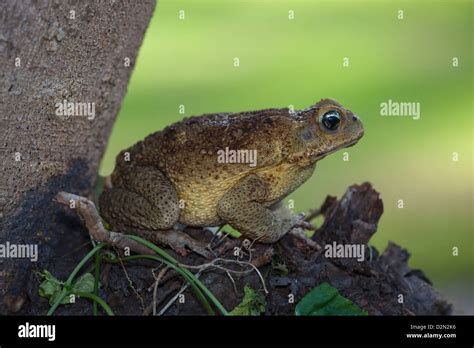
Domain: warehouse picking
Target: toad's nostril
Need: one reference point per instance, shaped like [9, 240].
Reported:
[355, 118]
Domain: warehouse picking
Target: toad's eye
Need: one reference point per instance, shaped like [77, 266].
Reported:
[331, 120]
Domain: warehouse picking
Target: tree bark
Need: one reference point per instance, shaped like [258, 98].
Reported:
[51, 51]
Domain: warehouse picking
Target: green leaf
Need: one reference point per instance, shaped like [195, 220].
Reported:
[326, 300]
[50, 288]
[253, 303]
[85, 283]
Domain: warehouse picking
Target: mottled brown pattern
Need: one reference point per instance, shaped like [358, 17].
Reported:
[180, 164]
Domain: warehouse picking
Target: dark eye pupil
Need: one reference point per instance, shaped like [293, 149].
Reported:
[331, 120]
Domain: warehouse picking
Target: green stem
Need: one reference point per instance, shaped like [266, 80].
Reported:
[98, 258]
[67, 285]
[96, 299]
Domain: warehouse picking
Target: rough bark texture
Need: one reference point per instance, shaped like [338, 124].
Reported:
[52, 51]
[374, 284]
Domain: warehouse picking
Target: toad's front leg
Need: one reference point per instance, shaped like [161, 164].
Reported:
[243, 207]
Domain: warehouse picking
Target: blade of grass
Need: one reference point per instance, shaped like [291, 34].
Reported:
[172, 260]
[98, 300]
[98, 259]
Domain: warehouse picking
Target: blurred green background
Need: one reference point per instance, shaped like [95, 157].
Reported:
[299, 61]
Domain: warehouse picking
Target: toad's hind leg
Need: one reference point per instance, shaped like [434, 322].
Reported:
[140, 197]
[143, 201]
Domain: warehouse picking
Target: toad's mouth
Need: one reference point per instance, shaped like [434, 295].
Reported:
[316, 156]
[352, 143]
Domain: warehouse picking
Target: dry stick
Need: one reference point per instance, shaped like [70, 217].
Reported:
[155, 288]
[215, 236]
[153, 270]
[130, 283]
[249, 248]
[240, 263]
[233, 282]
[173, 299]
[259, 274]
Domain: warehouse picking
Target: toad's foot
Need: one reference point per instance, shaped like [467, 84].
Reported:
[302, 223]
[297, 230]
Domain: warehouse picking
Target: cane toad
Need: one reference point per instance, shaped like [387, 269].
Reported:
[198, 171]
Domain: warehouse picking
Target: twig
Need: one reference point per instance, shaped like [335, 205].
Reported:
[233, 282]
[155, 287]
[173, 299]
[241, 263]
[130, 283]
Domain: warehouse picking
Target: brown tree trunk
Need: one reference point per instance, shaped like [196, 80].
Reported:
[51, 51]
